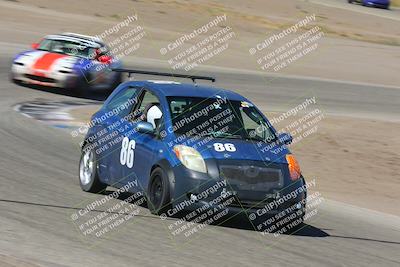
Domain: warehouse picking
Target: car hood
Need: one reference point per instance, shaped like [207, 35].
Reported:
[239, 149]
[46, 61]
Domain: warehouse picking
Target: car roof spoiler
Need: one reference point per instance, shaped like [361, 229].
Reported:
[168, 74]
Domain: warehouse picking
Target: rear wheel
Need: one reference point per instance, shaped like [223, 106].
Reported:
[158, 200]
[82, 87]
[88, 175]
[117, 81]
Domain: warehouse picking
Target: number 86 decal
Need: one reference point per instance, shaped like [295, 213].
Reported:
[219, 147]
[127, 152]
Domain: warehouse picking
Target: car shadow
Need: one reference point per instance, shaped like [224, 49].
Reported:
[240, 221]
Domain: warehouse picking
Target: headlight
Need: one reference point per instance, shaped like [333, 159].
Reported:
[294, 167]
[190, 158]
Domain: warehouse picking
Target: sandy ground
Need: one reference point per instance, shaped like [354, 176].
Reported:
[354, 161]
[356, 46]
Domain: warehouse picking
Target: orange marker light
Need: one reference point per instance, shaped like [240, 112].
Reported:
[178, 155]
[294, 167]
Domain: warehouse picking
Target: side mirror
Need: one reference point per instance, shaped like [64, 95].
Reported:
[35, 45]
[144, 127]
[285, 138]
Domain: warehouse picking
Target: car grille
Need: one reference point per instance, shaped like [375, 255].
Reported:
[252, 181]
[251, 174]
[252, 177]
[40, 78]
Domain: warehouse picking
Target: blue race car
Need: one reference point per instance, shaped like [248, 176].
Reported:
[184, 145]
[69, 60]
[373, 3]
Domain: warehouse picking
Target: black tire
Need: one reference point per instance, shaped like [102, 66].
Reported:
[117, 81]
[82, 87]
[13, 80]
[93, 183]
[158, 198]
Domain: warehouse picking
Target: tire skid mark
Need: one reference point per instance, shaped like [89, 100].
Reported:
[53, 113]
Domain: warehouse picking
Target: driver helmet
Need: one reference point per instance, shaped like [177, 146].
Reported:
[153, 115]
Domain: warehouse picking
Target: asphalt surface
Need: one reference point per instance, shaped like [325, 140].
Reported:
[40, 191]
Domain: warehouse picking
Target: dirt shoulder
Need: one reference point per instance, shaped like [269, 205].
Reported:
[354, 161]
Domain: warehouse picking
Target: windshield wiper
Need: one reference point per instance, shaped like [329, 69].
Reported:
[266, 140]
[254, 139]
[221, 135]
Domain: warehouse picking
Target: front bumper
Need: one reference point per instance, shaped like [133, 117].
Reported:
[58, 79]
[194, 190]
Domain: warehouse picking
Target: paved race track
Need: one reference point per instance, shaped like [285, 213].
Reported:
[39, 191]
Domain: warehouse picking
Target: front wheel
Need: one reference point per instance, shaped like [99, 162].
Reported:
[88, 175]
[13, 80]
[158, 200]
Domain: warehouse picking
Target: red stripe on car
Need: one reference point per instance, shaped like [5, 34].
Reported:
[46, 61]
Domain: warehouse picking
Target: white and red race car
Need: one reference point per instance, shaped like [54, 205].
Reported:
[68, 60]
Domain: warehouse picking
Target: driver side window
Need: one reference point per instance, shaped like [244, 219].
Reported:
[147, 99]
[149, 110]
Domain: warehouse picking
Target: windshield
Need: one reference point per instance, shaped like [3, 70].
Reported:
[219, 118]
[66, 47]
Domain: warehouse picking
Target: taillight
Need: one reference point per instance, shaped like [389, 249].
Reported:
[294, 167]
